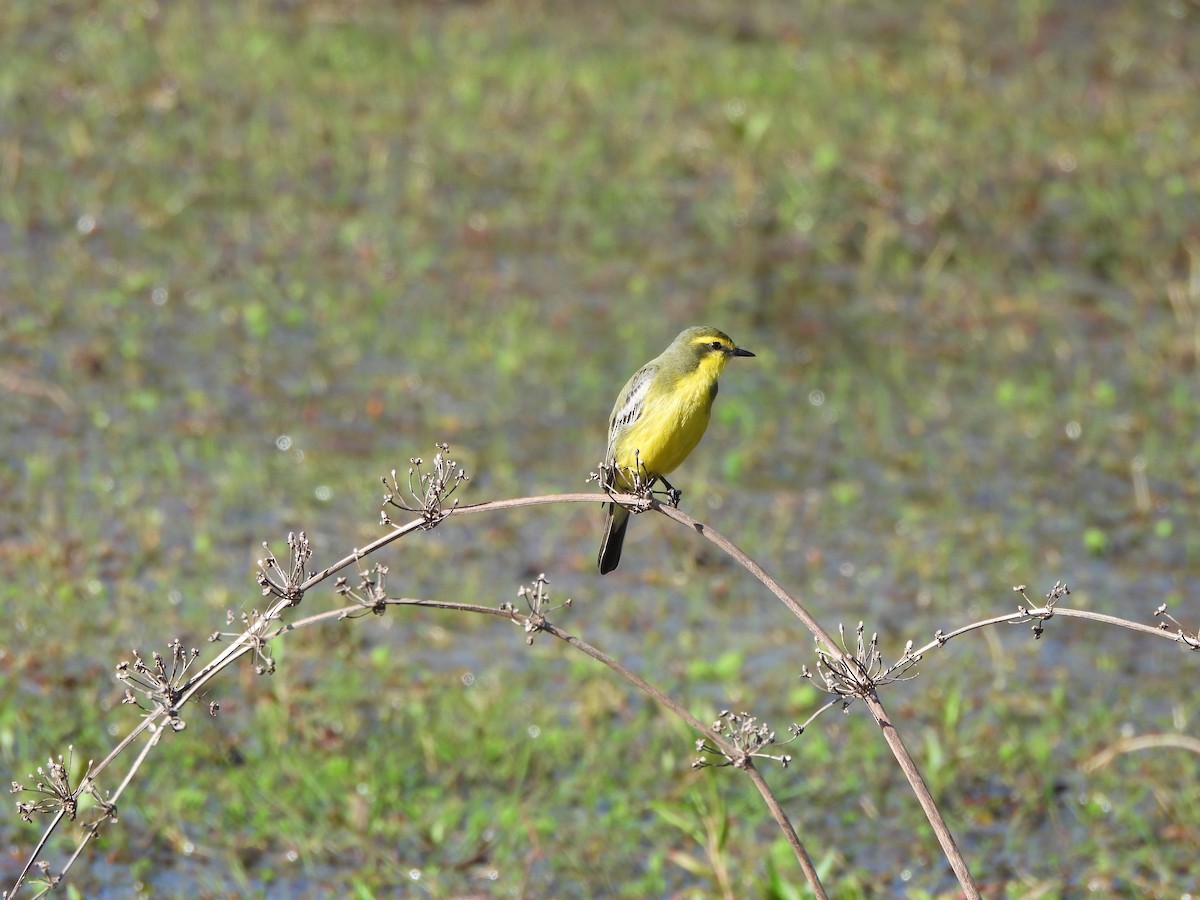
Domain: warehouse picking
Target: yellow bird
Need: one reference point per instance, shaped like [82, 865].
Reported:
[658, 419]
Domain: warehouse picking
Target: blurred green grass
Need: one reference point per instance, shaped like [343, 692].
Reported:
[255, 255]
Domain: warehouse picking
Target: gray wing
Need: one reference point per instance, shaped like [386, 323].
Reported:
[630, 403]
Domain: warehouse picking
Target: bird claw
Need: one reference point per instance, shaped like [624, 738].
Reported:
[672, 493]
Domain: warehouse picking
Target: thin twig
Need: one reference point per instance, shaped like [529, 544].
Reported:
[663, 699]
[907, 764]
[858, 674]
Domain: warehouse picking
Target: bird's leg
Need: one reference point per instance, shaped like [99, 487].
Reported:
[674, 495]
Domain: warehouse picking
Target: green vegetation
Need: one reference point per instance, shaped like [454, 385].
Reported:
[256, 255]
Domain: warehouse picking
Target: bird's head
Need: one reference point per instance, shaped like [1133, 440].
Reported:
[705, 348]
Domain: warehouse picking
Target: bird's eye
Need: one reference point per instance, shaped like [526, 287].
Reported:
[717, 345]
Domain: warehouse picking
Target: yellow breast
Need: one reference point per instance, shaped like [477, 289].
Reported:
[671, 424]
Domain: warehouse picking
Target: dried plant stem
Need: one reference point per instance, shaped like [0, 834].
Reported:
[731, 752]
[850, 672]
[55, 821]
[663, 699]
[1042, 613]
[907, 764]
[1142, 742]
[94, 832]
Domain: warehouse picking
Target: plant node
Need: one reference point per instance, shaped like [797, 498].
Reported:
[286, 585]
[160, 684]
[1190, 639]
[858, 672]
[57, 794]
[748, 735]
[428, 491]
[633, 481]
[1039, 615]
[370, 593]
[537, 601]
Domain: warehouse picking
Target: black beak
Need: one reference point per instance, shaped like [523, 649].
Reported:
[738, 351]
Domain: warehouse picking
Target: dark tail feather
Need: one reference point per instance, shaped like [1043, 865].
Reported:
[614, 536]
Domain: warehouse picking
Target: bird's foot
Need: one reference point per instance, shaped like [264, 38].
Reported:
[672, 493]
